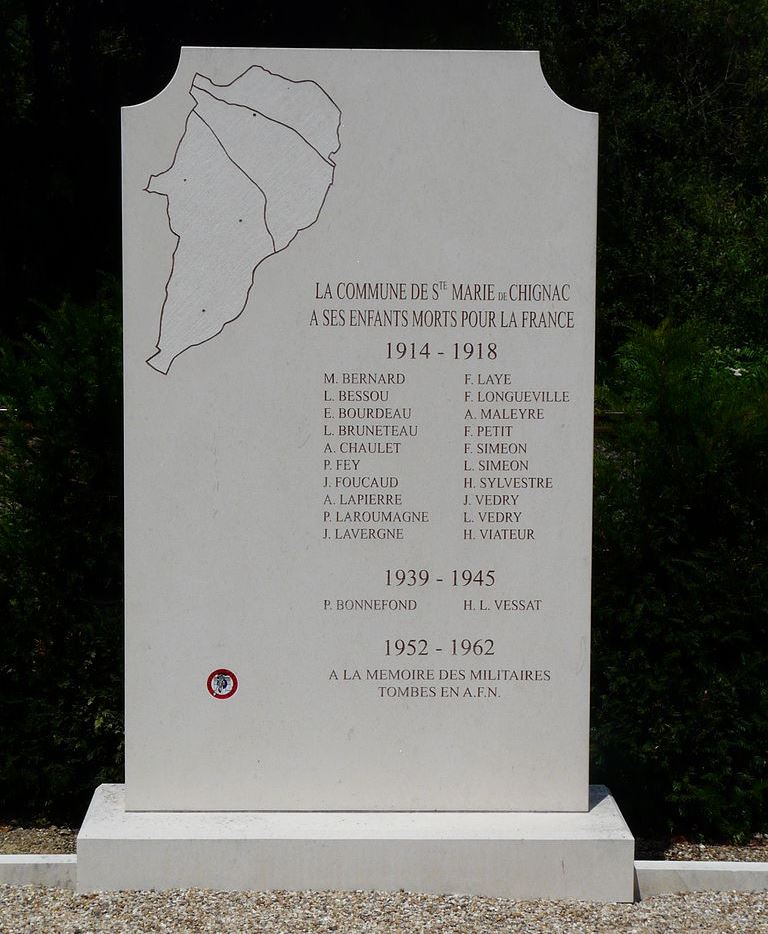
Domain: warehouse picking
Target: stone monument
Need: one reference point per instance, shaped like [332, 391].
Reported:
[359, 351]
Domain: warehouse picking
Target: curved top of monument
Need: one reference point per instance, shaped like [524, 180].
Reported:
[244, 147]
[190, 56]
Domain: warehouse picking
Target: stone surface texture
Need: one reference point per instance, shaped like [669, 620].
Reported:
[21, 839]
[662, 877]
[571, 855]
[59, 870]
[448, 166]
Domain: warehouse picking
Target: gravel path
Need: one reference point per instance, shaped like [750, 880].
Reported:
[15, 839]
[756, 851]
[53, 911]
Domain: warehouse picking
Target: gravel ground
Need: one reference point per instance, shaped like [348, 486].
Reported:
[29, 909]
[14, 839]
[756, 851]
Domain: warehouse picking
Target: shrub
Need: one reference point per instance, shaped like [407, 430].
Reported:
[61, 561]
[680, 698]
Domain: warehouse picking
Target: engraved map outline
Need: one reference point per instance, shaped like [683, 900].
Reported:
[306, 115]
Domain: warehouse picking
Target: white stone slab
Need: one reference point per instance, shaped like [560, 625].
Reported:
[564, 856]
[669, 877]
[460, 180]
[59, 869]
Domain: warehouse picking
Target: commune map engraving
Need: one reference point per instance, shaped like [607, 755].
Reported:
[251, 171]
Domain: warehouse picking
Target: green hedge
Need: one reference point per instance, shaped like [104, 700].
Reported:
[61, 665]
[680, 581]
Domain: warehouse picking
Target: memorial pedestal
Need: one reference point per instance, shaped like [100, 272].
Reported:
[584, 856]
[358, 504]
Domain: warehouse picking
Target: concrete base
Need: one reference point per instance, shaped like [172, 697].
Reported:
[514, 855]
[59, 870]
[670, 877]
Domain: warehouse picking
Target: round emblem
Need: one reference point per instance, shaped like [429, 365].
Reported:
[222, 683]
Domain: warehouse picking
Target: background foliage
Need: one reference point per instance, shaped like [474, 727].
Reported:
[61, 560]
[680, 713]
[679, 695]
